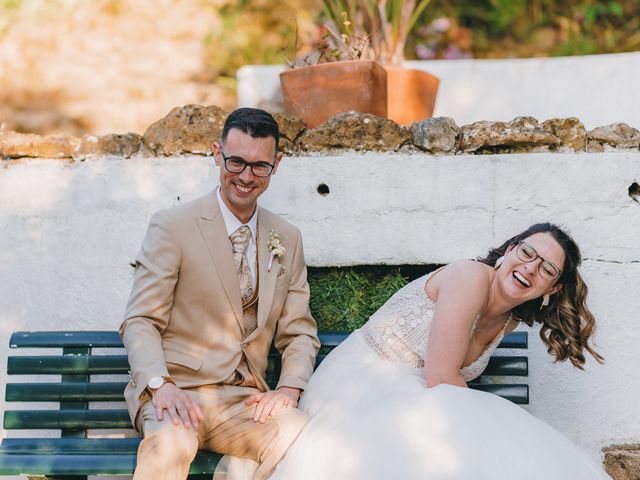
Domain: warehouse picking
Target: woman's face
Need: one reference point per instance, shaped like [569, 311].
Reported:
[531, 268]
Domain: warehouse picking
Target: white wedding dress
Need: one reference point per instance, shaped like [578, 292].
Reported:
[372, 417]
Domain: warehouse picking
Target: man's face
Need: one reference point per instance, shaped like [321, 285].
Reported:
[240, 191]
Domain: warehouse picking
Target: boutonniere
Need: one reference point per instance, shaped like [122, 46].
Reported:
[275, 246]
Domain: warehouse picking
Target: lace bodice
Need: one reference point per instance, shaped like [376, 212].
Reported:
[399, 330]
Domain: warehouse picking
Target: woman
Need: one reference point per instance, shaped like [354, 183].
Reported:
[392, 401]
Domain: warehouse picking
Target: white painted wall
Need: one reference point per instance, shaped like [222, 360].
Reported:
[69, 230]
[598, 89]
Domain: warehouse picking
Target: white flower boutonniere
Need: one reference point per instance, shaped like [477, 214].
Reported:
[275, 246]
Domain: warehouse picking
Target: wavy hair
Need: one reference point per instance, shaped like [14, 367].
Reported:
[567, 323]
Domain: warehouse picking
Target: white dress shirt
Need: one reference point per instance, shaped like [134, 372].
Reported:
[232, 223]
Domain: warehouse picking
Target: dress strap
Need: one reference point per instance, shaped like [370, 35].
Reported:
[509, 318]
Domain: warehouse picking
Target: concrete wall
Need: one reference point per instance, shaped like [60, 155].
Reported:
[598, 89]
[68, 232]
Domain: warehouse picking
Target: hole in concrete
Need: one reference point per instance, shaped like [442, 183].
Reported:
[323, 189]
[634, 192]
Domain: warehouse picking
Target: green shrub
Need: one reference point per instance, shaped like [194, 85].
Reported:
[523, 28]
[344, 298]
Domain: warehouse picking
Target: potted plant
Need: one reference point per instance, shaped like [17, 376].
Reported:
[365, 40]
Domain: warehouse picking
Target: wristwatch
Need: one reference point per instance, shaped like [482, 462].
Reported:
[155, 383]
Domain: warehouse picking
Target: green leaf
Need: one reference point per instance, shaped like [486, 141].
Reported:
[416, 14]
[590, 14]
[616, 9]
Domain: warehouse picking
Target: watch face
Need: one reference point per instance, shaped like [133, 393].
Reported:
[156, 382]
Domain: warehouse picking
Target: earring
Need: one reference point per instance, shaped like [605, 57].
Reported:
[545, 301]
[498, 262]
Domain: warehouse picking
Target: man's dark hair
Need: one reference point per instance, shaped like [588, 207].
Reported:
[254, 122]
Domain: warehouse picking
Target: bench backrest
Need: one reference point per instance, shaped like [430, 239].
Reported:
[84, 363]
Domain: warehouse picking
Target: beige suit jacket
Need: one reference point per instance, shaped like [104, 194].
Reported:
[184, 316]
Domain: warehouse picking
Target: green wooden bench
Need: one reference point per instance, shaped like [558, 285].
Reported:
[82, 367]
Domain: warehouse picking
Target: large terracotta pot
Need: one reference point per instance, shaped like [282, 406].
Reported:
[411, 94]
[317, 92]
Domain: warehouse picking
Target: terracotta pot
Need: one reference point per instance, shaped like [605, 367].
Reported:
[411, 94]
[317, 92]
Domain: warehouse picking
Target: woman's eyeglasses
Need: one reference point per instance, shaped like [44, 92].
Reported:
[527, 253]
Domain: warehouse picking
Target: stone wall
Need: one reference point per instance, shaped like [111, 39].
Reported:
[192, 128]
[72, 219]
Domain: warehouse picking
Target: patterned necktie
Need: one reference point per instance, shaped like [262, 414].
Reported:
[240, 241]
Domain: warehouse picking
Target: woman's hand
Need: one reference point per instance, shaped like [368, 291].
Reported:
[269, 403]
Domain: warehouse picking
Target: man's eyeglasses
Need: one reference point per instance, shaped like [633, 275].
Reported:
[547, 269]
[237, 165]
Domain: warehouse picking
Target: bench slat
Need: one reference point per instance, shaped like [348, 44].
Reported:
[117, 364]
[67, 364]
[68, 446]
[508, 366]
[79, 364]
[78, 464]
[112, 339]
[66, 419]
[65, 392]
[65, 339]
[515, 340]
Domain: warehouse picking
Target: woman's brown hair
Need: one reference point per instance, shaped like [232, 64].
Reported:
[567, 323]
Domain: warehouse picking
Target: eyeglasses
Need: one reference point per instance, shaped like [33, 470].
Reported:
[237, 165]
[547, 269]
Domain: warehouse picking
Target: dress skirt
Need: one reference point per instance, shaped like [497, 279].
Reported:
[374, 419]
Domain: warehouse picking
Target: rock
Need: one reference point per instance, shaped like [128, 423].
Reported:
[17, 145]
[616, 135]
[522, 134]
[622, 462]
[436, 135]
[356, 131]
[188, 129]
[290, 129]
[120, 145]
[570, 131]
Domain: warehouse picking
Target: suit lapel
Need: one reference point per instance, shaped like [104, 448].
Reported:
[214, 232]
[267, 278]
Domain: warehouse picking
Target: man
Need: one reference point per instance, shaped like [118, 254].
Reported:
[217, 281]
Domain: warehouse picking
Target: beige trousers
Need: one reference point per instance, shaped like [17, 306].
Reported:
[167, 450]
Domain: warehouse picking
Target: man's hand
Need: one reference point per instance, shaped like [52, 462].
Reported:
[270, 402]
[178, 405]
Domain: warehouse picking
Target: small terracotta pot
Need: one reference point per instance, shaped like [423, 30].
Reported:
[317, 92]
[411, 94]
